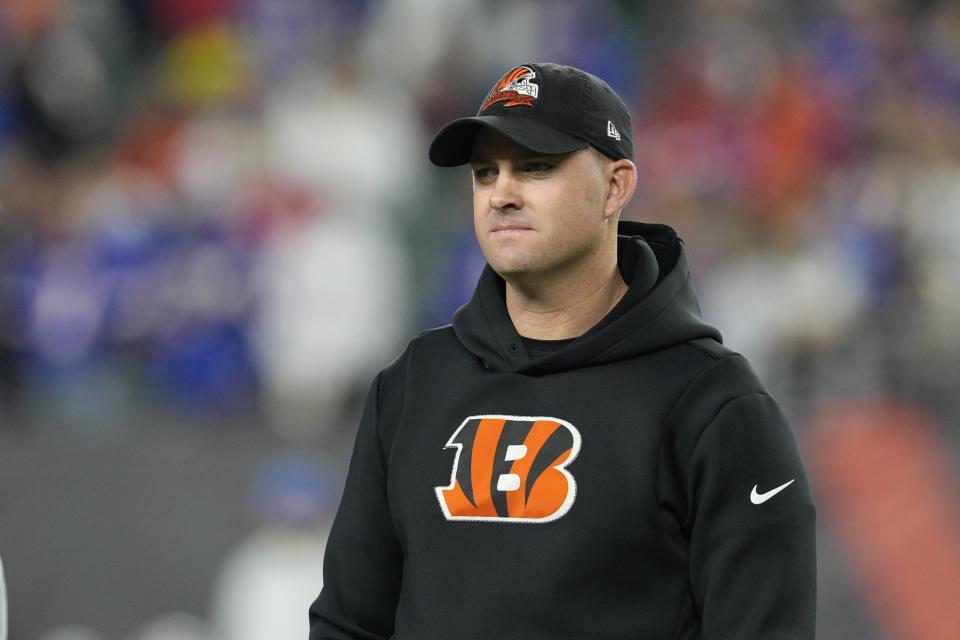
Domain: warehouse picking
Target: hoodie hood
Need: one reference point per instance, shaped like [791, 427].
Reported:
[659, 310]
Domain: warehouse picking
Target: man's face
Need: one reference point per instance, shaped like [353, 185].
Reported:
[536, 215]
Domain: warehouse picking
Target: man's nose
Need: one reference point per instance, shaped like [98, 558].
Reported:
[506, 192]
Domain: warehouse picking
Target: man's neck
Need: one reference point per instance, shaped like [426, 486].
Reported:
[565, 307]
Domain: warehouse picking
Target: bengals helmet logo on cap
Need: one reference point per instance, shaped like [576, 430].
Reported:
[511, 469]
[515, 88]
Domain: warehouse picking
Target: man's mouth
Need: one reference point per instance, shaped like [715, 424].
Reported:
[510, 227]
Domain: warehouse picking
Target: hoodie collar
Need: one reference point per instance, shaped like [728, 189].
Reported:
[659, 308]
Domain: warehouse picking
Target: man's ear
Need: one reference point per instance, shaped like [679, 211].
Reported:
[621, 178]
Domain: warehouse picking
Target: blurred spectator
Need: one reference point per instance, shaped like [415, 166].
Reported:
[347, 142]
[315, 336]
[737, 297]
[172, 626]
[267, 582]
[290, 38]
[71, 632]
[204, 65]
[342, 148]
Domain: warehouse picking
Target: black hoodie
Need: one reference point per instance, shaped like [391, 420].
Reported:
[639, 483]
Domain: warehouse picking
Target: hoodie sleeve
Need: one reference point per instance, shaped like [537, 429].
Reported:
[363, 561]
[747, 510]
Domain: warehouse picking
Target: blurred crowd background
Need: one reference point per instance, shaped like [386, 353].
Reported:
[218, 221]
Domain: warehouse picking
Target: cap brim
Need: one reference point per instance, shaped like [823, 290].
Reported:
[453, 145]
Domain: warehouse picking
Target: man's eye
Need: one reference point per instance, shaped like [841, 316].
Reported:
[482, 173]
[537, 167]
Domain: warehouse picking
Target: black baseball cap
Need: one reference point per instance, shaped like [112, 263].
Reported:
[549, 108]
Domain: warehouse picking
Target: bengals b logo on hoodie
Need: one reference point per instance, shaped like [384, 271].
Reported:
[511, 468]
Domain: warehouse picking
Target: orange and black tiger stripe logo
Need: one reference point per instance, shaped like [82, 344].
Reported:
[515, 88]
[511, 468]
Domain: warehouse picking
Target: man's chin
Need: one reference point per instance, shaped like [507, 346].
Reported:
[512, 270]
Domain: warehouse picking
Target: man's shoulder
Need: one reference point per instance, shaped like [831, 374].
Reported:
[423, 352]
[704, 364]
[711, 349]
[429, 336]
[430, 343]
[719, 376]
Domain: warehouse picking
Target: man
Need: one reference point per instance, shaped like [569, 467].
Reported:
[577, 455]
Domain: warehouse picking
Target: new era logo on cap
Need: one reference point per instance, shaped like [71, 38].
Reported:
[612, 131]
[548, 108]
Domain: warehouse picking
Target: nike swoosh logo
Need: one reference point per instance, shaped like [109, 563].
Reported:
[760, 498]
